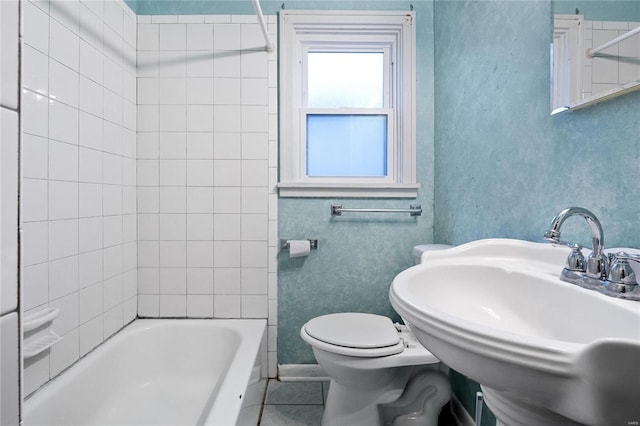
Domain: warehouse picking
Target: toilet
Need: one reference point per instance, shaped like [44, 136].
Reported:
[380, 374]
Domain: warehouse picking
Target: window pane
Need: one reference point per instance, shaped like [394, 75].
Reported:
[346, 145]
[345, 80]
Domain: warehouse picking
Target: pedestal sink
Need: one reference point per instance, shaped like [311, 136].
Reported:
[545, 352]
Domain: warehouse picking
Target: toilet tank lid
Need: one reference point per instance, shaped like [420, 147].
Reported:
[354, 330]
[418, 250]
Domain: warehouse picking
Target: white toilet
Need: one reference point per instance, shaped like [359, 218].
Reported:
[380, 374]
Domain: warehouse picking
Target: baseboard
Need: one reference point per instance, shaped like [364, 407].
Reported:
[460, 415]
[301, 373]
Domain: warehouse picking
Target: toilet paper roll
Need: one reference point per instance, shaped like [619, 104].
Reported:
[299, 248]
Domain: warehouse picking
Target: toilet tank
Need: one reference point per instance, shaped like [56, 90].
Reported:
[422, 248]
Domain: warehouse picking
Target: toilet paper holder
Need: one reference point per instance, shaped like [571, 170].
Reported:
[284, 243]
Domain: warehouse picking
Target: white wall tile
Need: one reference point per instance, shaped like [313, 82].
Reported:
[63, 83]
[199, 37]
[35, 286]
[63, 122]
[68, 318]
[200, 281]
[34, 113]
[148, 305]
[199, 118]
[227, 227]
[89, 165]
[35, 27]
[35, 70]
[89, 199]
[200, 254]
[91, 62]
[63, 200]
[173, 37]
[91, 130]
[173, 200]
[89, 268]
[200, 172]
[64, 353]
[200, 199]
[199, 145]
[227, 145]
[63, 277]
[254, 306]
[90, 234]
[226, 306]
[173, 254]
[148, 36]
[148, 280]
[64, 45]
[226, 280]
[228, 200]
[172, 64]
[227, 173]
[199, 64]
[173, 172]
[226, 37]
[200, 306]
[34, 198]
[173, 227]
[148, 226]
[200, 91]
[227, 90]
[63, 238]
[90, 334]
[172, 91]
[226, 254]
[173, 118]
[254, 91]
[173, 305]
[63, 161]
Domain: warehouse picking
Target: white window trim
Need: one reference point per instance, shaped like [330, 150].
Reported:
[298, 30]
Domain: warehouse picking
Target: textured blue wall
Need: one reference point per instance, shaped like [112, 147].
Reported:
[359, 254]
[504, 167]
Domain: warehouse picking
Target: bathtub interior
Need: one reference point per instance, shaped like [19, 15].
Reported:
[170, 372]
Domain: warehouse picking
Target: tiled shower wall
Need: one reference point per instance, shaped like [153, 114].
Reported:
[207, 164]
[78, 184]
[621, 66]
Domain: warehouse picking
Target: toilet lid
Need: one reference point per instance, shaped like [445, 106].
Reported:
[354, 330]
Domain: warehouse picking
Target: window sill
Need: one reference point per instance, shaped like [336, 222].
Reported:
[359, 190]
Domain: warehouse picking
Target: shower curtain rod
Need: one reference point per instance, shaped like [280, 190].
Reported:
[591, 52]
[263, 26]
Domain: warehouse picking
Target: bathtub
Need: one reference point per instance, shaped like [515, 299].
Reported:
[160, 372]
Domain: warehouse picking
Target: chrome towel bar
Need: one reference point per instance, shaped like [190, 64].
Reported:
[413, 210]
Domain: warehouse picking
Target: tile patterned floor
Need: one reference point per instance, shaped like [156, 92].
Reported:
[302, 403]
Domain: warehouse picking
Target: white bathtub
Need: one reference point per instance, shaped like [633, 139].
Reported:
[160, 372]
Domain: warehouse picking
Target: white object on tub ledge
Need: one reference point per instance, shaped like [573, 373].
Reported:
[38, 335]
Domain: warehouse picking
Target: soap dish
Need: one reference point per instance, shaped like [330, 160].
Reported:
[38, 335]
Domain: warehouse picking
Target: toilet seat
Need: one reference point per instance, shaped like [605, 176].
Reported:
[354, 334]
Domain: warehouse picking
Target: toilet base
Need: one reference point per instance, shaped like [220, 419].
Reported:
[402, 396]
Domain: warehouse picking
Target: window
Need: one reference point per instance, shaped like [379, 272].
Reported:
[347, 107]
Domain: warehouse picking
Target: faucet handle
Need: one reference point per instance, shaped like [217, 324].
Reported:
[621, 275]
[575, 260]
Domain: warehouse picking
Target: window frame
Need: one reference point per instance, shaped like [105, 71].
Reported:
[389, 32]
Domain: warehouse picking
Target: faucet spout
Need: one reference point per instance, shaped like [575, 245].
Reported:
[597, 262]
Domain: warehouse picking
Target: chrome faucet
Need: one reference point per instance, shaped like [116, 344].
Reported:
[611, 275]
[597, 263]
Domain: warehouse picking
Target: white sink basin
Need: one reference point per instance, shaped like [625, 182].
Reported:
[546, 352]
